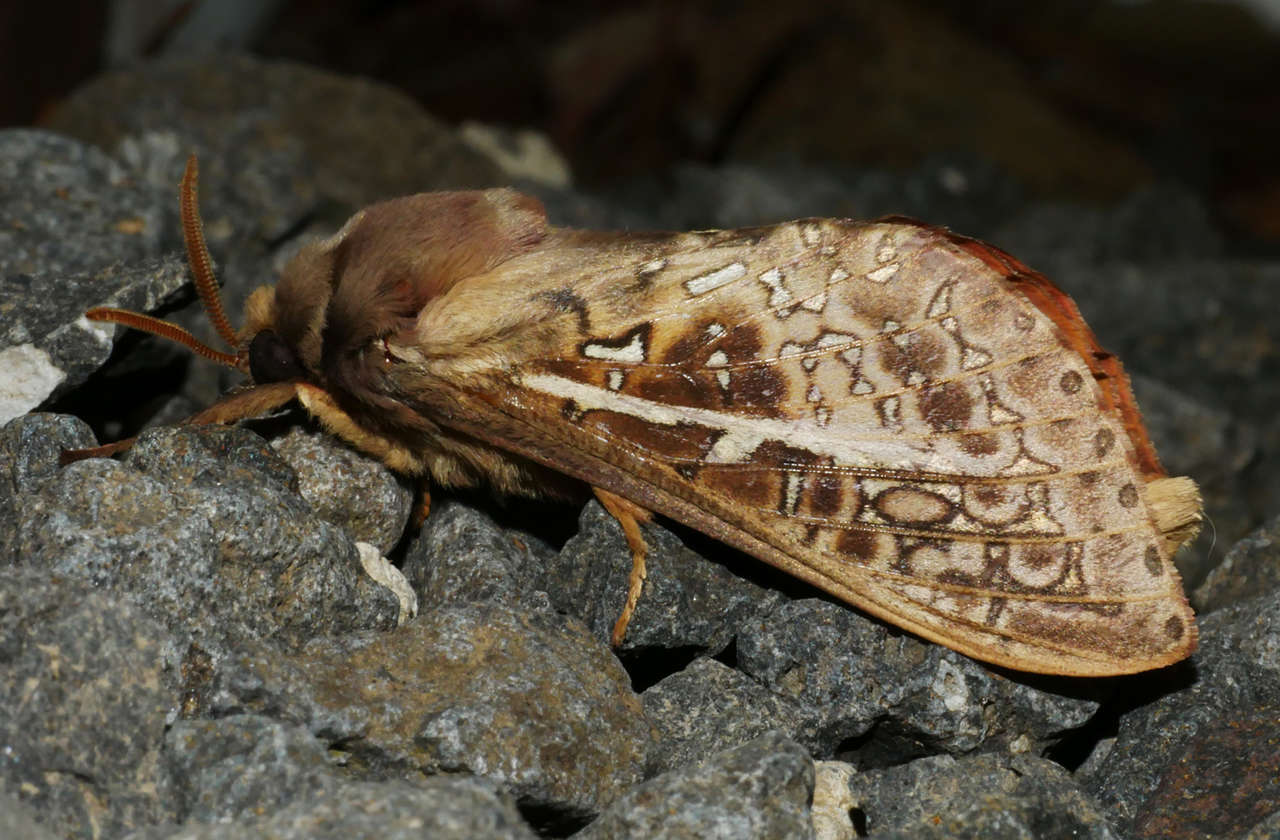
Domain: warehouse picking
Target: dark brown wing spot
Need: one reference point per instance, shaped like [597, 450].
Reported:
[990, 495]
[1103, 441]
[1151, 559]
[857, 543]
[1173, 628]
[571, 411]
[777, 455]
[1038, 557]
[1128, 496]
[1070, 382]
[681, 442]
[826, 492]
[979, 443]
[759, 389]
[914, 353]
[742, 344]
[947, 407]
[1088, 479]
[683, 349]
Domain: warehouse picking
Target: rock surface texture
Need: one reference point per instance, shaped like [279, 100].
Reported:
[191, 647]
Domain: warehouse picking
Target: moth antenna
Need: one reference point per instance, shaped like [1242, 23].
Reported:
[164, 329]
[198, 255]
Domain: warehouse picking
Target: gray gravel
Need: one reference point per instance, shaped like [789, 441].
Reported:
[190, 644]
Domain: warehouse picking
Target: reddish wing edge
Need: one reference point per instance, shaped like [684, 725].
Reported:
[1058, 307]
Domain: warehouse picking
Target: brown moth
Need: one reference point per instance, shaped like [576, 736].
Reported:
[910, 420]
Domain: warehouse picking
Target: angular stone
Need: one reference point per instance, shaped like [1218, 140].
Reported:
[204, 527]
[1251, 569]
[709, 707]
[86, 692]
[688, 602]
[440, 808]
[760, 789]
[461, 555]
[1002, 797]
[528, 700]
[347, 488]
[243, 766]
[1220, 711]
[852, 676]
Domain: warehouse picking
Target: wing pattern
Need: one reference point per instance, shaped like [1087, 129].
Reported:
[873, 409]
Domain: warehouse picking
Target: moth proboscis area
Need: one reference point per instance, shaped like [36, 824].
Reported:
[910, 420]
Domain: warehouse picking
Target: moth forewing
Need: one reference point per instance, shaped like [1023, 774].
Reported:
[870, 407]
[913, 422]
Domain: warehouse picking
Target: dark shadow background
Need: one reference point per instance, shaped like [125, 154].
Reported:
[1081, 101]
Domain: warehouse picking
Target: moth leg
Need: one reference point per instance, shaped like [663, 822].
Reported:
[321, 405]
[106, 450]
[629, 516]
[238, 405]
[421, 507]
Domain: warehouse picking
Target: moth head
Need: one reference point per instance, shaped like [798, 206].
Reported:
[342, 304]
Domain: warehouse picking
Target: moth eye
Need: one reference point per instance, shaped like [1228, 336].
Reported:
[271, 360]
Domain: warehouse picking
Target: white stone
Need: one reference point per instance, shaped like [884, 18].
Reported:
[27, 377]
[380, 569]
[832, 801]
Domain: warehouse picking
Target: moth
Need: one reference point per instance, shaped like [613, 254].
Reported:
[910, 420]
